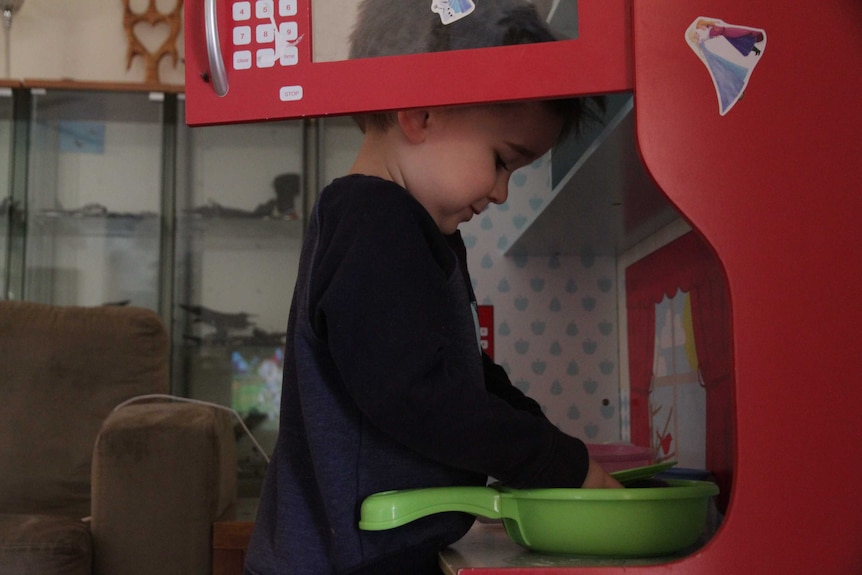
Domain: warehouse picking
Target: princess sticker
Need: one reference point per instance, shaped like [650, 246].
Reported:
[729, 52]
[452, 10]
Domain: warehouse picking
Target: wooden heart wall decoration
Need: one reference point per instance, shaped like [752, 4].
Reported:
[153, 17]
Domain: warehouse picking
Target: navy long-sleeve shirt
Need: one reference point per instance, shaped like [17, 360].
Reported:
[385, 388]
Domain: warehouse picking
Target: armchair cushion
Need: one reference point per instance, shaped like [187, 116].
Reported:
[162, 474]
[62, 370]
[42, 544]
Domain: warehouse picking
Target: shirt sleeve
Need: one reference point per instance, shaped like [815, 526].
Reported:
[380, 283]
[497, 382]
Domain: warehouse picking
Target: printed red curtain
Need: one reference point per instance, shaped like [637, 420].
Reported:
[690, 265]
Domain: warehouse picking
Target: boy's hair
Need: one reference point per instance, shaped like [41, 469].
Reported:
[397, 27]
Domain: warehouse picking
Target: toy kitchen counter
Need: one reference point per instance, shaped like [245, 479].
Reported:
[487, 550]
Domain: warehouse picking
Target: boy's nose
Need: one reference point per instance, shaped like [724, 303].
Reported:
[500, 192]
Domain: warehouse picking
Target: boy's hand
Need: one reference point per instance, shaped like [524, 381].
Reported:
[598, 478]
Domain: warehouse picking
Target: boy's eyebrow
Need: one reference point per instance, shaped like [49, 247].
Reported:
[522, 150]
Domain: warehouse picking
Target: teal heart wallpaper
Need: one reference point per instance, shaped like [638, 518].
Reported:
[556, 324]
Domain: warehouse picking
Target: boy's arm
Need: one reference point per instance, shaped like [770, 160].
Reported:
[496, 379]
[381, 302]
[498, 383]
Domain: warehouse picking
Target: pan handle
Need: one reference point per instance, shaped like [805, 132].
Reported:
[391, 509]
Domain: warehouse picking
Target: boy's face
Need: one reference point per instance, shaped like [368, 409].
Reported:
[469, 153]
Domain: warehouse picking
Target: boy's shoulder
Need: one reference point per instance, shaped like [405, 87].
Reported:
[359, 192]
[360, 182]
[360, 209]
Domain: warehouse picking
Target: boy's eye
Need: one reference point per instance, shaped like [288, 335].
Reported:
[501, 163]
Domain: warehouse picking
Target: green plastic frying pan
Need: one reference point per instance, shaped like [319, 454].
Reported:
[605, 522]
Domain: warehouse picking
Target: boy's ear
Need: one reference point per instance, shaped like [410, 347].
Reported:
[414, 124]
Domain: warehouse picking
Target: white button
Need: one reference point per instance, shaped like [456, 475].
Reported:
[264, 34]
[242, 35]
[289, 56]
[242, 60]
[263, 8]
[266, 58]
[287, 7]
[242, 10]
[290, 93]
[288, 31]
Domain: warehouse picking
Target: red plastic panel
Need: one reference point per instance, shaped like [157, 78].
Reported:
[596, 62]
[775, 186]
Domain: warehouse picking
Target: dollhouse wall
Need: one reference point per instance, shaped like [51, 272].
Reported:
[556, 329]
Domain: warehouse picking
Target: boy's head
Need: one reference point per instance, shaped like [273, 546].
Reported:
[397, 27]
[457, 160]
[571, 112]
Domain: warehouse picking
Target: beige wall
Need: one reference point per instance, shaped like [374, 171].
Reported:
[85, 41]
[82, 40]
[331, 27]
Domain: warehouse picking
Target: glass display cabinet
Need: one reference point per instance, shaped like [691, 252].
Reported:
[243, 192]
[239, 222]
[110, 199]
[93, 202]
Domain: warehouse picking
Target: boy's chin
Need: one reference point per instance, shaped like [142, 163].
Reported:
[447, 228]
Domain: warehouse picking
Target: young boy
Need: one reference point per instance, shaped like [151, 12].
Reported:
[385, 386]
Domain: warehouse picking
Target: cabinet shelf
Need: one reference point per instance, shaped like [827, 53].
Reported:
[606, 202]
[108, 226]
[241, 233]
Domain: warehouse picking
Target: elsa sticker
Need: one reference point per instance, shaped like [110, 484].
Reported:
[729, 53]
[452, 10]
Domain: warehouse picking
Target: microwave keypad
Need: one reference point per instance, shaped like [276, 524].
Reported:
[260, 35]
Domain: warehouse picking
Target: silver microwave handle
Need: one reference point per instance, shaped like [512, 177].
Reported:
[217, 70]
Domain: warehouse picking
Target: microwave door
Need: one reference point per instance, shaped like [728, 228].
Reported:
[253, 60]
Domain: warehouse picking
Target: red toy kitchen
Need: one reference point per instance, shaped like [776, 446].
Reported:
[761, 155]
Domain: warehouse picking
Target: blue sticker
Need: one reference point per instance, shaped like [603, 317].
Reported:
[81, 137]
[452, 10]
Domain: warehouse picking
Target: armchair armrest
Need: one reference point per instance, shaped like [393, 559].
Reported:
[162, 474]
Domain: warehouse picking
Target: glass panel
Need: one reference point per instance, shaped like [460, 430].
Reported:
[6, 126]
[94, 188]
[341, 139]
[239, 235]
[394, 27]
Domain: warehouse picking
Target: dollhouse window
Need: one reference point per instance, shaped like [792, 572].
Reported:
[677, 400]
[681, 357]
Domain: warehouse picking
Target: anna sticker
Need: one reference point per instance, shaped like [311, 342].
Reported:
[729, 52]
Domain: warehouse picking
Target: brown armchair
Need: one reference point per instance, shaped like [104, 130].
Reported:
[87, 488]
